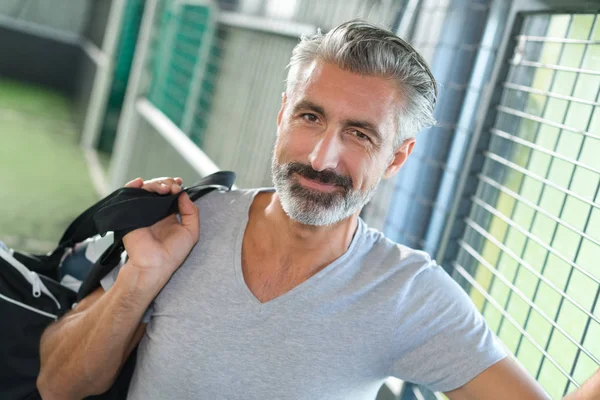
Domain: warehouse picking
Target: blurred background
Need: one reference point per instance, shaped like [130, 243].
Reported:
[504, 191]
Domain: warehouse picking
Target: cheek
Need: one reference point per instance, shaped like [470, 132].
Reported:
[357, 169]
[279, 150]
[365, 172]
[294, 144]
[286, 150]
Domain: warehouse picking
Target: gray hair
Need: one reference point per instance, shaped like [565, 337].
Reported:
[364, 48]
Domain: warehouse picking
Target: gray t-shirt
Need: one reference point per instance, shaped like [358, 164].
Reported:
[379, 310]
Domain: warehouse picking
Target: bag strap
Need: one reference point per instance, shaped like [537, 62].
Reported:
[131, 209]
[127, 209]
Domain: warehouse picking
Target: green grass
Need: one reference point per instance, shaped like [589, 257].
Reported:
[45, 180]
[36, 101]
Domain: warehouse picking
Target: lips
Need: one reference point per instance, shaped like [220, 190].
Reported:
[326, 180]
[313, 184]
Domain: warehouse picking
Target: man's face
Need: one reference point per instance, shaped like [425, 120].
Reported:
[334, 143]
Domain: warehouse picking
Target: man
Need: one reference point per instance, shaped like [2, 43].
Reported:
[286, 293]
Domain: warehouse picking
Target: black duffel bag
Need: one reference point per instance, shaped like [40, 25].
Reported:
[31, 296]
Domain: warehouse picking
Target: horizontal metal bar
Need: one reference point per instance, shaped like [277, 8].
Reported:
[173, 98]
[527, 143]
[189, 34]
[177, 67]
[191, 153]
[176, 76]
[521, 88]
[190, 49]
[523, 263]
[535, 118]
[39, 30]
[264, 24]
[417, 393]
[518, 168]
[554, 67]
[555, 40]
[95, 53]
[531, 304]
[180, 58]
[523, 200]
[461, 270]
[394, 385]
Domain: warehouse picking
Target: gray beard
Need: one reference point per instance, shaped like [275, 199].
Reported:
[311, 207]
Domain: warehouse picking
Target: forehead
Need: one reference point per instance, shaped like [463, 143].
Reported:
[349, 95]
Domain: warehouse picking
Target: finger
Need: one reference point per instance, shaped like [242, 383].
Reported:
[189, 214]
[160, 185]
[179, 181]
[156, 187]
[137, 183]
[175, 188]
[164, 179]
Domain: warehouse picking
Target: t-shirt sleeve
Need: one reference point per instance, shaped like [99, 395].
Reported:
[452, 344]
[109, 280]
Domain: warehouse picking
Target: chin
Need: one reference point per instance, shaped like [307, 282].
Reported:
[307, 212]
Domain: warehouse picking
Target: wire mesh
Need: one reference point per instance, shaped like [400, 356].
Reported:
[529, 254]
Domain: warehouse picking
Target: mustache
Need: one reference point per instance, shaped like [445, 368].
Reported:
[327, 176]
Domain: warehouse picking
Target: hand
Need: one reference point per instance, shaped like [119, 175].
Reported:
[158, 250]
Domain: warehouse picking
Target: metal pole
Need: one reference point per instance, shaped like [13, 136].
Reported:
[127, 129]
[103, 76]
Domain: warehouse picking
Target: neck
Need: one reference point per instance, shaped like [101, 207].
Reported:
[308, 245]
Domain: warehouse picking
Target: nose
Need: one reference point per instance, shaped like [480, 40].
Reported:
[325, 154]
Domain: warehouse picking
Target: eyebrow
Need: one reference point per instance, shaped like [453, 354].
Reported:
[309, 105]
[366, 125]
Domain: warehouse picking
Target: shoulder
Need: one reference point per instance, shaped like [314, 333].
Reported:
[383, 253]
[218, 199]
[221, 195]
[219, 208]
[435, 322]
[414, 273]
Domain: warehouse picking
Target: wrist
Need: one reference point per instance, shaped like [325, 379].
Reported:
[137, 285]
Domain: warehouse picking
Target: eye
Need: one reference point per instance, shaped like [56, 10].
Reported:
[361, 135]
[309, 117]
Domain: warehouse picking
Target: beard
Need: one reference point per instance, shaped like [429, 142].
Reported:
[313, 207]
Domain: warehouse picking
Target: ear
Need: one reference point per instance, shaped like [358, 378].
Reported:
[282, 108]
[400, 157]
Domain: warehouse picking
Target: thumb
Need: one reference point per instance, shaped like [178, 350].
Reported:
[188, 212]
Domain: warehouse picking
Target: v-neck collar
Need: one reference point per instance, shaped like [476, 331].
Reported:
[298, 289]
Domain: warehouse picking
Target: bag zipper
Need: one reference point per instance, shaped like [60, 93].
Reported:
[37, 286]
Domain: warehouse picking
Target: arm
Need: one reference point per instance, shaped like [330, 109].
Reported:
[503, 380]
[83, 352]
[589, 391]
[507, 380]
